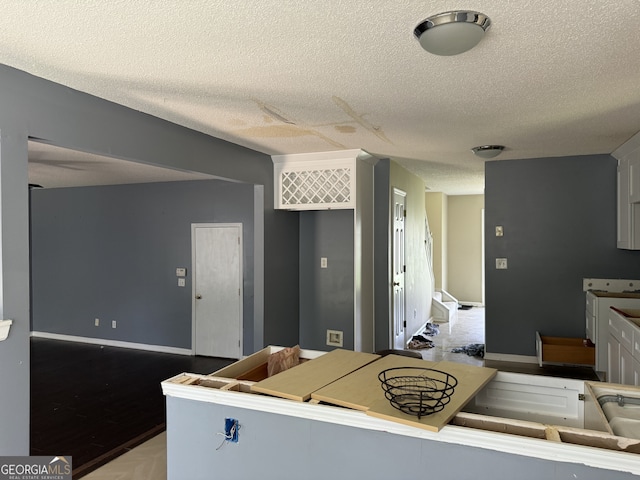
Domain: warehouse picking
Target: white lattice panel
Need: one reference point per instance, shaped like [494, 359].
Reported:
[315, 182]
[316, 187]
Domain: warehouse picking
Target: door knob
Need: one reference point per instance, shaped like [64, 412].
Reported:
[198, 297]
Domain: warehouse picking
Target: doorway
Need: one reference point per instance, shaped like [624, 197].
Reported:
[217, 289]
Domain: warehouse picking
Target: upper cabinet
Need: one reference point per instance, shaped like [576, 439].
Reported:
[628, 156]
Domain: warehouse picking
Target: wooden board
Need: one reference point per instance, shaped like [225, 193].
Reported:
[470, 380]
[361, 390]
[298, 383]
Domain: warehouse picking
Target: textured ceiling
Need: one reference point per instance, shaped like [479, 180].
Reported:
[550, 78]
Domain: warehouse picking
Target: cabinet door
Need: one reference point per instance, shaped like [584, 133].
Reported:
[626, 367]
[636, 372]
[613, 360]
[590, 328]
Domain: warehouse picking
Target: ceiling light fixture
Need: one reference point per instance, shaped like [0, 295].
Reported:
[451, 33]
[488, 151]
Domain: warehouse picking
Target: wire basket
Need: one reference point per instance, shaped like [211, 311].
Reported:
[417, 390]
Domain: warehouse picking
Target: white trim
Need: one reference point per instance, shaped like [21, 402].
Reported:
[113, 343]
[512, 444]
[610, 284]
[505, 357]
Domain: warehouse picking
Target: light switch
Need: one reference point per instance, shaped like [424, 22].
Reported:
[499, 231]
[181, 272]
[323, 262]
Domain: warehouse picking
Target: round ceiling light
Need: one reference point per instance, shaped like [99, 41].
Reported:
[451, 33]
[488, 151]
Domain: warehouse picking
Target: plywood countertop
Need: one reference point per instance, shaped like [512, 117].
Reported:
[298, 383]
[361, 390]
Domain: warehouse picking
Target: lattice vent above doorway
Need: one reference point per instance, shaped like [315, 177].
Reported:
[326, 187]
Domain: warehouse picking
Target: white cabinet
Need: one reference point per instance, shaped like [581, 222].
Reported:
[613, 359]
[597, 320]
[623, 349]
[626, 366]
[628, 204]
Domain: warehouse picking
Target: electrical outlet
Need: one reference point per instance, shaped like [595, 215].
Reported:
[181, 282]
[113, 324]
[501, 263]
[97, 322]
[334, 338]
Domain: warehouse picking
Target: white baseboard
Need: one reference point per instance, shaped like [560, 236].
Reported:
[505, 357]
[113, 343]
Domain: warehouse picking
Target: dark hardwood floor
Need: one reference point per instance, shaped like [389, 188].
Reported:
[95, 403]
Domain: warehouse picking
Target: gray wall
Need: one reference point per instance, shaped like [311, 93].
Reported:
[111, 252]
[381, 246]
[283, 447]
[559, 218]
[326, 294]
[33, 107]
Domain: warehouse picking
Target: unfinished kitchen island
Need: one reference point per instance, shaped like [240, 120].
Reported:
[328, 418]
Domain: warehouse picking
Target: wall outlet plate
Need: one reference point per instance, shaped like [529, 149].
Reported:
[334, 338]
[501, 263]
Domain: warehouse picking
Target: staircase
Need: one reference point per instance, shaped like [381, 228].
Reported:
[444, 308]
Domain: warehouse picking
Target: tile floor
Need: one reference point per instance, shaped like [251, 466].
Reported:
[467, 329]
[147, 461]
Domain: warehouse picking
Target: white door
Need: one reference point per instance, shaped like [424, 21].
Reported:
[399, 324]
[217, 289]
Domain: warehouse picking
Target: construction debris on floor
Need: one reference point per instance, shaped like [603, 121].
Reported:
[419, 342]
[431, 329]
[473, 350]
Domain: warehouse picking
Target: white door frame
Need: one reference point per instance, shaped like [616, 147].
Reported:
[193, 283]
[398, 311]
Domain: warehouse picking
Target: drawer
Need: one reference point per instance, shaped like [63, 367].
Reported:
[561, 350]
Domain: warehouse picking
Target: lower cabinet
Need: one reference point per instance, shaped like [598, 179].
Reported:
[623, 344]
[626, 367]
[613, 359]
